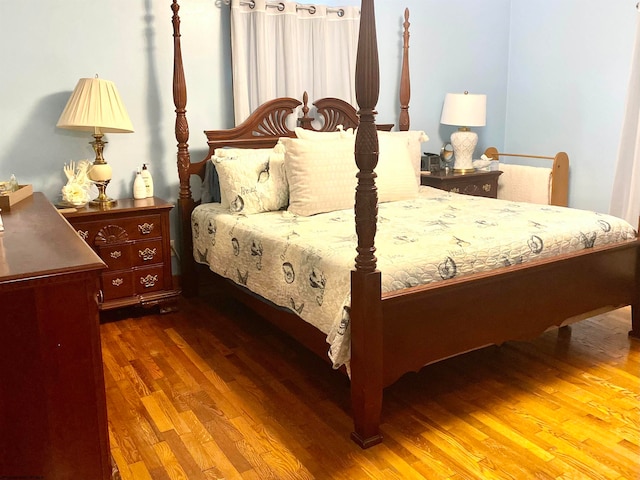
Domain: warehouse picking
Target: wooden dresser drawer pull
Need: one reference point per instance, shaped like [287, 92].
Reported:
[147, 254]
[148, 281]
[145, 228]
[116, 282]
[115, 254]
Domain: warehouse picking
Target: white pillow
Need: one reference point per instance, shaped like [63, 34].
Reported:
[321, 174]
[252, 185]
[414, 139]
[396, 177]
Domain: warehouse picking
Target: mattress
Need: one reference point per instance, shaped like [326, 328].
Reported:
[304, 263]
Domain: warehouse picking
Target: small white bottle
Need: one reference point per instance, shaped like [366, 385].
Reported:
[139, 189]
[148, 181]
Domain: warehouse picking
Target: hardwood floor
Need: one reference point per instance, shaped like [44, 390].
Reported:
[213, 392]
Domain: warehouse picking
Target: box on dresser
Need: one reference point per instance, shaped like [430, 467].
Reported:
[133, 239]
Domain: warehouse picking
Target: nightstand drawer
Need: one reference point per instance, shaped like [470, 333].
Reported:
[119, 230]
[118, 284]
[148, 279]
[116, 256]
[479, 183]
[147, 253]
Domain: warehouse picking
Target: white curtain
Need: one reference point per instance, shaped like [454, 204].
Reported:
[625, 199]
[282, 49]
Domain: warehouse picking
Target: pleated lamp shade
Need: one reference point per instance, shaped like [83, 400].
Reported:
[95, 106]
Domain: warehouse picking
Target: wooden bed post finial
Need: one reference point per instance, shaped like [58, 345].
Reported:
[180, 102]
[405, 82]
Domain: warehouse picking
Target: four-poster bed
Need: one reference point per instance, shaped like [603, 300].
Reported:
[400, 331]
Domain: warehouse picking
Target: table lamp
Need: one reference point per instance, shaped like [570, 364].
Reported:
[95, 106]
[464, 110]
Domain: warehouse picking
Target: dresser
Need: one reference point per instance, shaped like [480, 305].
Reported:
[133, 239]
[478, 183]
[53, 415]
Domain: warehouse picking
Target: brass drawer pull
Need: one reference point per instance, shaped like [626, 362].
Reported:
[147, 254]
[148, 281]
[116, 282]
[84, 234]
[115, 254]
[145, 228]
[486, 187]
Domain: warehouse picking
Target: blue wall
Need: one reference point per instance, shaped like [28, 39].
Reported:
[555, 73]
[567, 89]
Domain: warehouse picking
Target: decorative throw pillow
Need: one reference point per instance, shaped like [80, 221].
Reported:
[252, 184]
[232, 153]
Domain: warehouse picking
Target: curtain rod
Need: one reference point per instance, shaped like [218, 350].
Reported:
[280, 6]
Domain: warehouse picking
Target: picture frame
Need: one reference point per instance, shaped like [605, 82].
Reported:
[430, 162]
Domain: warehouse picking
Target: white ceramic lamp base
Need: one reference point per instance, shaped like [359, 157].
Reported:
[464, 143]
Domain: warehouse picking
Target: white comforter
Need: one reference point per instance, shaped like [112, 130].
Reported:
[304, 263]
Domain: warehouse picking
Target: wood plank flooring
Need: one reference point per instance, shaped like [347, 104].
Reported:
[213, 392]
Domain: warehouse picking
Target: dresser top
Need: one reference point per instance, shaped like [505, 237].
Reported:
[38, 242]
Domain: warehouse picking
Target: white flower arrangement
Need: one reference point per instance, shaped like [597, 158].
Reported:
[76, 191]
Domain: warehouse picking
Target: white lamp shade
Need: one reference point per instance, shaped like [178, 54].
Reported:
[95, 106]
[464, 110]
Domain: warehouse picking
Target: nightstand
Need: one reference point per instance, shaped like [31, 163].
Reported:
[133, 239]
[478, 183]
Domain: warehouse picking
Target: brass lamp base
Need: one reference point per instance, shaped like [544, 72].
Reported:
[102, 200]
[464, 170]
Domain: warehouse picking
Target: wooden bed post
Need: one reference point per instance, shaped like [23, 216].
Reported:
[185, 201]
[405, 82]
[366, 290]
